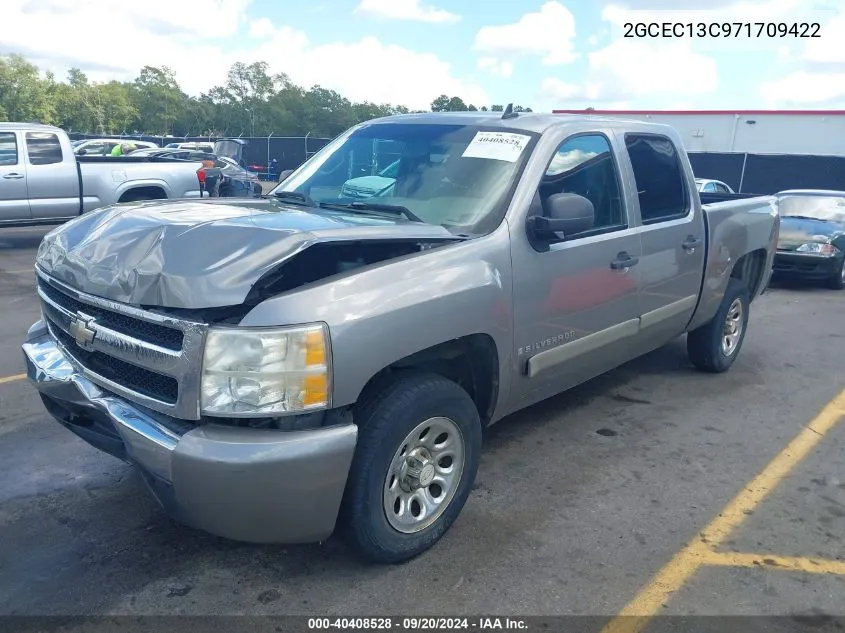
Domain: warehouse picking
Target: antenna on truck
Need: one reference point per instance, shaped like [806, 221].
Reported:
[509, 113]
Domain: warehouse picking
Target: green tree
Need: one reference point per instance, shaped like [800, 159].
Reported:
[24, 94]
[252, 100]
[159, 99]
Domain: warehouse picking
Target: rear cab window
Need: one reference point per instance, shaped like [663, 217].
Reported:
[8, 149]
[44, 148]
[659, 176]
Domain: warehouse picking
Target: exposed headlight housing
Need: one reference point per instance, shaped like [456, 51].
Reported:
[818, 248]
[248, 372]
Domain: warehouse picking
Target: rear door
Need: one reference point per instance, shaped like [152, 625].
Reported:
[52, 179]
[672, 235]
[14, 199]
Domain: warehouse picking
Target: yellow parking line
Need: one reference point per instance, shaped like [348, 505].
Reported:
[12, 378]
[769, 561]
[637, 613]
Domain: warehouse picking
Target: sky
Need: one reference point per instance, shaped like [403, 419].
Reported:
[543, 54]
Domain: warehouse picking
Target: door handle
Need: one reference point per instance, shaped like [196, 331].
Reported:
[13, 176]
[691, 243]
[624, 261]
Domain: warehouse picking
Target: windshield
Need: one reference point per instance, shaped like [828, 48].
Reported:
[458, 176]
[827, 208]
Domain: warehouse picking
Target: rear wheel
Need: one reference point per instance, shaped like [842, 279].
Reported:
[418, 450]
[837, 281]
[714, 346]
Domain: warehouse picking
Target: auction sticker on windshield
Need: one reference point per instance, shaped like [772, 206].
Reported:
[497, 146]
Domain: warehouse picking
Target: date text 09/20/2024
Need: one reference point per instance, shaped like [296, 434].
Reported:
[417, 624]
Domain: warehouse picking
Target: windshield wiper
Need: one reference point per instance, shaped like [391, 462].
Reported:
[804, 217]
[295, 197]
[393, 209]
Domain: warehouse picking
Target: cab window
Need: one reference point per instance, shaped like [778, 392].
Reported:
[8, 149]
[661, 183]
[584, 165]
[43, 148]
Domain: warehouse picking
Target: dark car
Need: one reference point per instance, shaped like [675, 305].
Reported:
[224, 177]
[811, 245]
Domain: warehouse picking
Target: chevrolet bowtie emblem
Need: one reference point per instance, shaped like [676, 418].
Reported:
[81, 332]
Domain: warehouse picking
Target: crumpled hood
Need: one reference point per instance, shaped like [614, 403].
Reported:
[797, 231]
[199, 254]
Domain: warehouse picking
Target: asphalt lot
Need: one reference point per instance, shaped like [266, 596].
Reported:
[579, 502]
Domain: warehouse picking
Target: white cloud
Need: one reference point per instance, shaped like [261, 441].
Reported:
[406, 10]
[404, 76]
[186, 44]
[593, 39]
[555, 94]
[615, 73]
[261, 28]
[634, 69]
[805, 89]
[820, 78]
[554, 89]
[549, 33]
[496, 67]
[828, 48]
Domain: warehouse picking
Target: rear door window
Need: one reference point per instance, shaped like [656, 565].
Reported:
[8, 149]
[43, 148]
[660, 180]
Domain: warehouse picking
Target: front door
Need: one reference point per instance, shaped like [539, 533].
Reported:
[14, 199]
[576, 303]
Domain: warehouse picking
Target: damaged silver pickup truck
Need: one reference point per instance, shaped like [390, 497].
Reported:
[328, 356]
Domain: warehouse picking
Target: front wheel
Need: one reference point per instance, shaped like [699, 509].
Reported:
[837, 281]
[714, 346]
[418, 450]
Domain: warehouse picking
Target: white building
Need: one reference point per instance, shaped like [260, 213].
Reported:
[814, 132]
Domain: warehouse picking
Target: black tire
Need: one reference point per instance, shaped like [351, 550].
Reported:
[704, 345]
[837, 281]
[384, 422]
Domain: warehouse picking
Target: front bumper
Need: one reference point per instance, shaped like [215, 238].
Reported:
[245, 484]
[808, 266]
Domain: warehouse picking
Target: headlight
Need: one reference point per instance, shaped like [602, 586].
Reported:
[265, 371]
[819, 248]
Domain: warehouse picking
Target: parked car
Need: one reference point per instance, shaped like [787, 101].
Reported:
[223, 176]
[367, 186]
[200, 147]
[104, 146]
[277, 367]
[712, 186]
[812, 236]
[43, 182]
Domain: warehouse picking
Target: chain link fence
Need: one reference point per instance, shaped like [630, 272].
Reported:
[289, 151]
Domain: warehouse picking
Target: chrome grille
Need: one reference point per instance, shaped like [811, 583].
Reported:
[148, 358]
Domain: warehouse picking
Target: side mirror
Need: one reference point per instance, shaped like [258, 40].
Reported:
[284, 175]
[82, 152]
[566, 213]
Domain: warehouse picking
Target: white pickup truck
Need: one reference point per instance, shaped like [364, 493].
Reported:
[43, 182]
